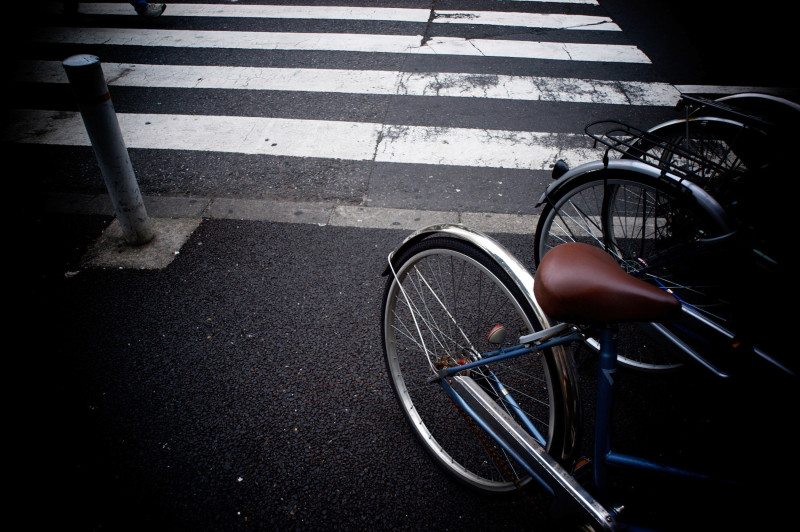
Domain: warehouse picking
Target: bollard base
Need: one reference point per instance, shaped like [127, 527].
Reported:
[111, 249]
[137, 234]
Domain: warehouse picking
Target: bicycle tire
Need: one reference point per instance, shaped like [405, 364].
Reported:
[780, 114]
[458, 293]
[758, 156]
[638, 219]
[744, 163]
[715, 153]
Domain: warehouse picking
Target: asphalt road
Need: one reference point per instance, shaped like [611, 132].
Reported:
[243, 387]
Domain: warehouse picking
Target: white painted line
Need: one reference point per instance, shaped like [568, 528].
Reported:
[531, 20]
[399, 44]
[315, 138]
[527, 20]
[536, 88]
[560, 51]
[481, 147]
[247, 40]
[271, 11]
[261, 136]
[526, 88]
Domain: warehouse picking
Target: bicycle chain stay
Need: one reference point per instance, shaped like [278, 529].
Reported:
[541, 513]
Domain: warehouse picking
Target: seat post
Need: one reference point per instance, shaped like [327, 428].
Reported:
[606, 371]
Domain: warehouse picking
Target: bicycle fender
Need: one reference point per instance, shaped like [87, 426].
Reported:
[621, 166]
[524, 280]
[515, 269]
[755, 98]
[700, 118]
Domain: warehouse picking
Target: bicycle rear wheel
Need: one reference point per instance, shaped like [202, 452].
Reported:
[444, 299]
[715, 153]
[654, 232]
[708, 150]
[738, 163]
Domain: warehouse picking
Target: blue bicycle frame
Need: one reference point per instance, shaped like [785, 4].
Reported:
[554, 479]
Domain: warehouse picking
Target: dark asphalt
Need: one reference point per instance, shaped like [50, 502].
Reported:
[243, 387]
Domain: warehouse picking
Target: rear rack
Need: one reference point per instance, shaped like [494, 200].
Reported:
[635, 143]
[689, 160]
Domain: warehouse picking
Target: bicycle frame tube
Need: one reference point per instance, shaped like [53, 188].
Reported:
[528, 452]
[570, 498]
[505, 354]
[508, 398]
[606, 368]
[525, 464]
[603, 455]
[694, 315]
[508, 352]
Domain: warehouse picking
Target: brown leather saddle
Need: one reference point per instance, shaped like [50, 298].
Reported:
[581, 283]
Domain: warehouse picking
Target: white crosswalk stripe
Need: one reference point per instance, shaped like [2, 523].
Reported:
[440, 70]
[300, 138]
[531, 20]
[448, 84]
[344, 42]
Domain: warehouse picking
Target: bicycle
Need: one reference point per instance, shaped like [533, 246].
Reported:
[475, 347]
[720, 143]
[682, 200]
[717, 140]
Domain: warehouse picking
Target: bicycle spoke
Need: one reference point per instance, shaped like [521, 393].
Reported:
[440, 305]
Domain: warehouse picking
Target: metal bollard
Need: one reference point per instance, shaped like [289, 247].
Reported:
[94, 102]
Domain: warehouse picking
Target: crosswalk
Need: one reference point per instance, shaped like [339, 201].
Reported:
[463, 107]
[342, 42]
